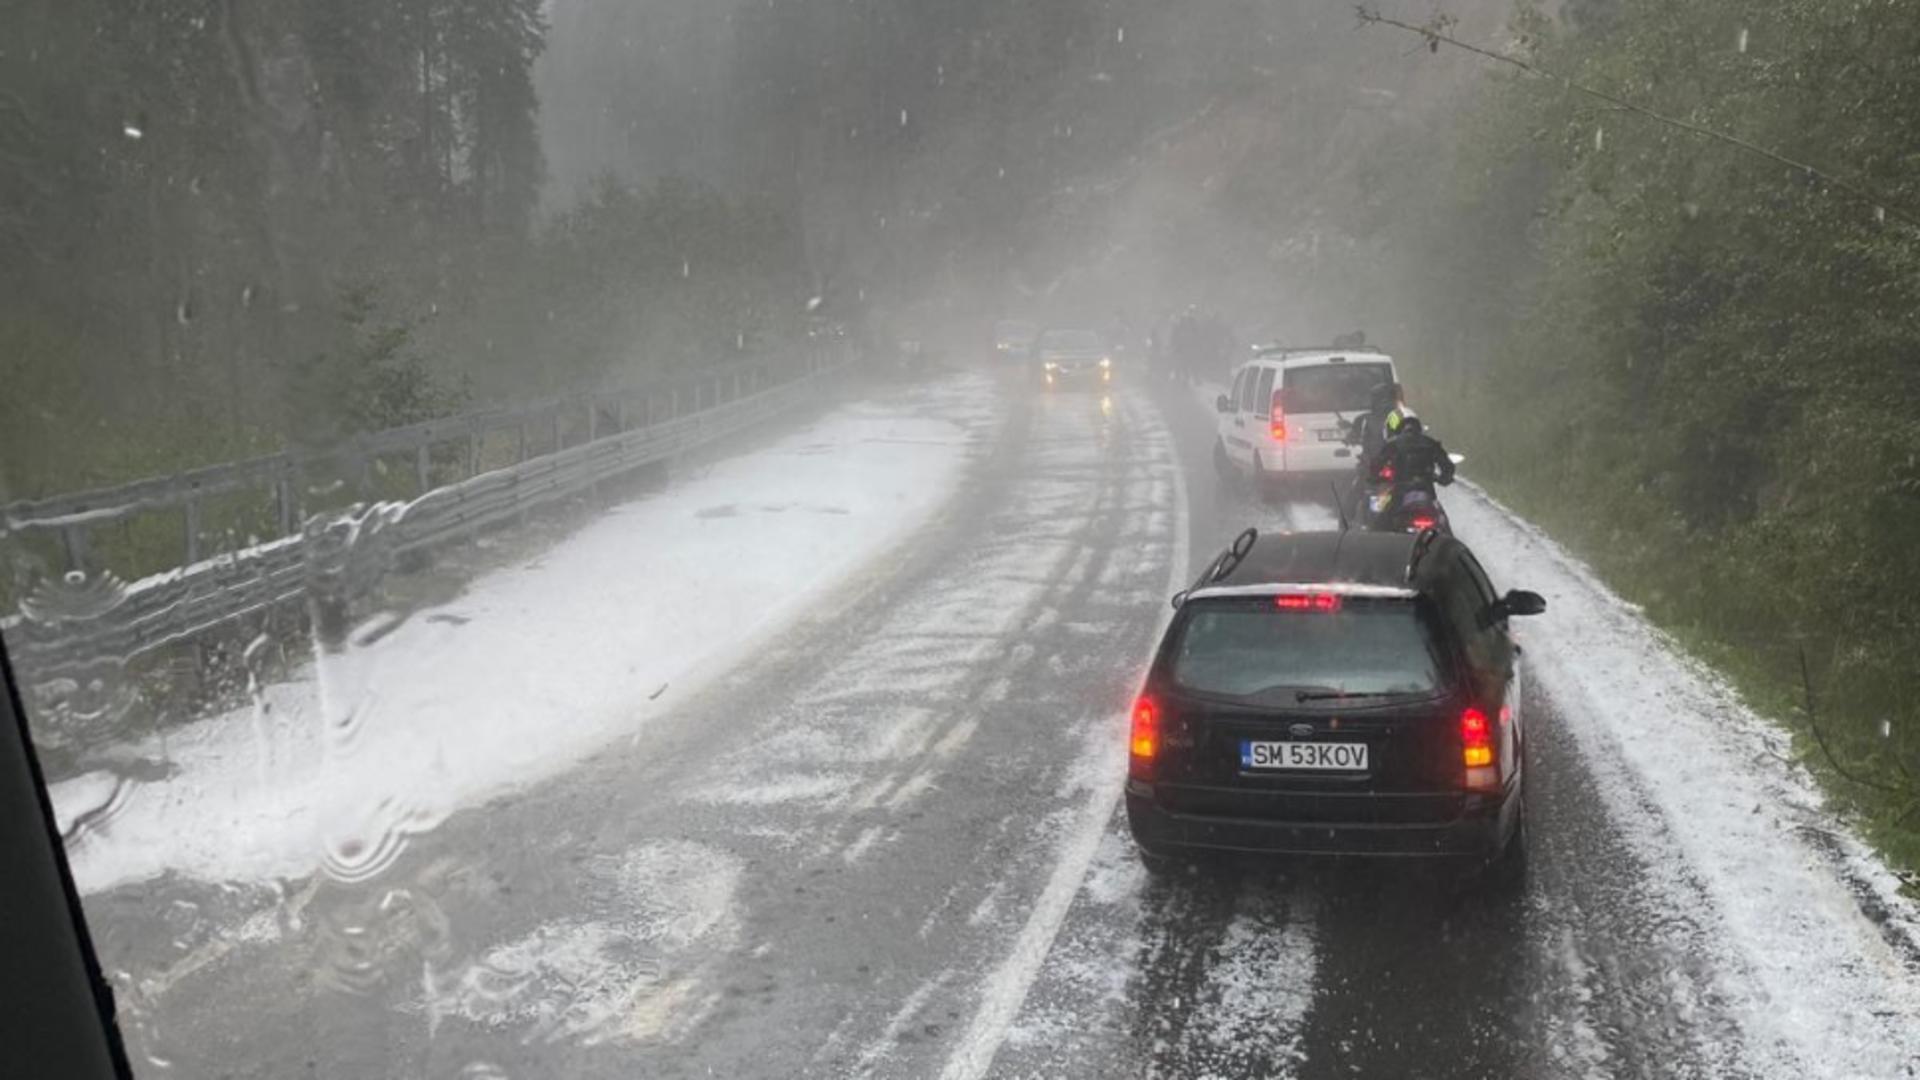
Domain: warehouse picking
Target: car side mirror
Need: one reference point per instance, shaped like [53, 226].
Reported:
[1522, 602]
[1222, 404]
[1516, 602]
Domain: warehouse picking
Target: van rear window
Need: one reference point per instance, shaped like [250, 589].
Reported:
[1325, 388]
[1252, 648]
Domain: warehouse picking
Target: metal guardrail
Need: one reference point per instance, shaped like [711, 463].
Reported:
[97, 621]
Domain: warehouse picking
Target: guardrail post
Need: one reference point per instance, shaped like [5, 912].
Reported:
[473, 455]
[74, 539]
[283, 504]
[520, 452]
[193, 531]
[593, 419]
[422, 468]
[558, 417]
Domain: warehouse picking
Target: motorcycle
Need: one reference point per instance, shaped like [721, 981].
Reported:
[1413, 509]
[1385, 503]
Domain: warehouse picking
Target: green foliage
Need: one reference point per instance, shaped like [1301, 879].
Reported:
[1697, 366]
[376, 379]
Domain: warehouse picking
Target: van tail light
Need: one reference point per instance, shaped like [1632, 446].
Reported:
[1143, 741]
[1278, 418]
[1477, 751]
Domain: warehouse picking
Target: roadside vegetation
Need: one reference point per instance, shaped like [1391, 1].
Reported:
[1691, 363]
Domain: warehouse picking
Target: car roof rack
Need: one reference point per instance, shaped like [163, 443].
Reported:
[1223, 564]
[1266, 351]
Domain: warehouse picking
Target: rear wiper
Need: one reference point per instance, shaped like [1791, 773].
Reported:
[1329, 695]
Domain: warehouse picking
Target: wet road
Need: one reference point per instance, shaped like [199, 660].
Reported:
[888, 845]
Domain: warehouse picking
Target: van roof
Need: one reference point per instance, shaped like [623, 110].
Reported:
[1319, 354]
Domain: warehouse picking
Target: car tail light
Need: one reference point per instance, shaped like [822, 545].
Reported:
[1279, 418]
[1477, 751]
[1423, 523]
[1143, 742]
[1307, 602]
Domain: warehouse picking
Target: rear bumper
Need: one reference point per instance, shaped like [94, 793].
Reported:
[1477, 833]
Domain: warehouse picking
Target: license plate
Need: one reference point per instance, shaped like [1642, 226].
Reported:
[1329, 757]
[1331, 435]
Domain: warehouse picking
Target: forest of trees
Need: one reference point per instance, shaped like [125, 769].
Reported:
[228, 227]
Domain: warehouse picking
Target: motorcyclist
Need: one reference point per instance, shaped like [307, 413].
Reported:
[1371, 429]
[1417, 459]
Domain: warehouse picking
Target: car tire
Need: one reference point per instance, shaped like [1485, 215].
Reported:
[1222, 464]
[1268, 485]
[1160, 865]
[1506, 875]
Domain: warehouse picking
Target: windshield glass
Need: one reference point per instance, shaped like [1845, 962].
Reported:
[1252, 649]
[1324, 388]
[1071, 341]
[539, 538]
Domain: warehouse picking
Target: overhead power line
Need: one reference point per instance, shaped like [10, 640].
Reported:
[1436, 35]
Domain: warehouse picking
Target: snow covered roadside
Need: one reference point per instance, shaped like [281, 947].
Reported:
[536, 666]
[1698, 783]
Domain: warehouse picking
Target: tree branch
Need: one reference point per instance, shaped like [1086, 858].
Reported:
[1436, 35]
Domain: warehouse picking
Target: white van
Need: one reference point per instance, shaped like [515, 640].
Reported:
[1280, 422]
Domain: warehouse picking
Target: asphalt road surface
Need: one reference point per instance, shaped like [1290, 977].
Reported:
[888, 844]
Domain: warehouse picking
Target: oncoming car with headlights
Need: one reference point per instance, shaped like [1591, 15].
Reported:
[1067, 357]
[1337, 693]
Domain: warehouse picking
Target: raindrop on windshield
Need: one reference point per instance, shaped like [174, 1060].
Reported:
[1743, 39]
[1599, 138]
[1120, 35]
[132, 130]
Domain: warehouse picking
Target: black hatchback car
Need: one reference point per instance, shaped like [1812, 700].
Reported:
[1339, 693]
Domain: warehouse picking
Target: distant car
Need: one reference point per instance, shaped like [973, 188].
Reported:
[1073, 356]
[1013, 341]
[1280, 424]
[1338, 693]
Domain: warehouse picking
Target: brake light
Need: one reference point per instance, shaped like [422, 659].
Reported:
[1422, 524]
[1306, 602]
[1143, 742]
[1386, 472]
[1476, 749]
[1278, 418]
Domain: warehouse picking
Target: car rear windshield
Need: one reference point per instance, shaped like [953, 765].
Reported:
[1325, 388]
[1074, 340]
[1252, 648]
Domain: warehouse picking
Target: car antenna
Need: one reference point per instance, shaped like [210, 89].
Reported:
[1339, 505]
